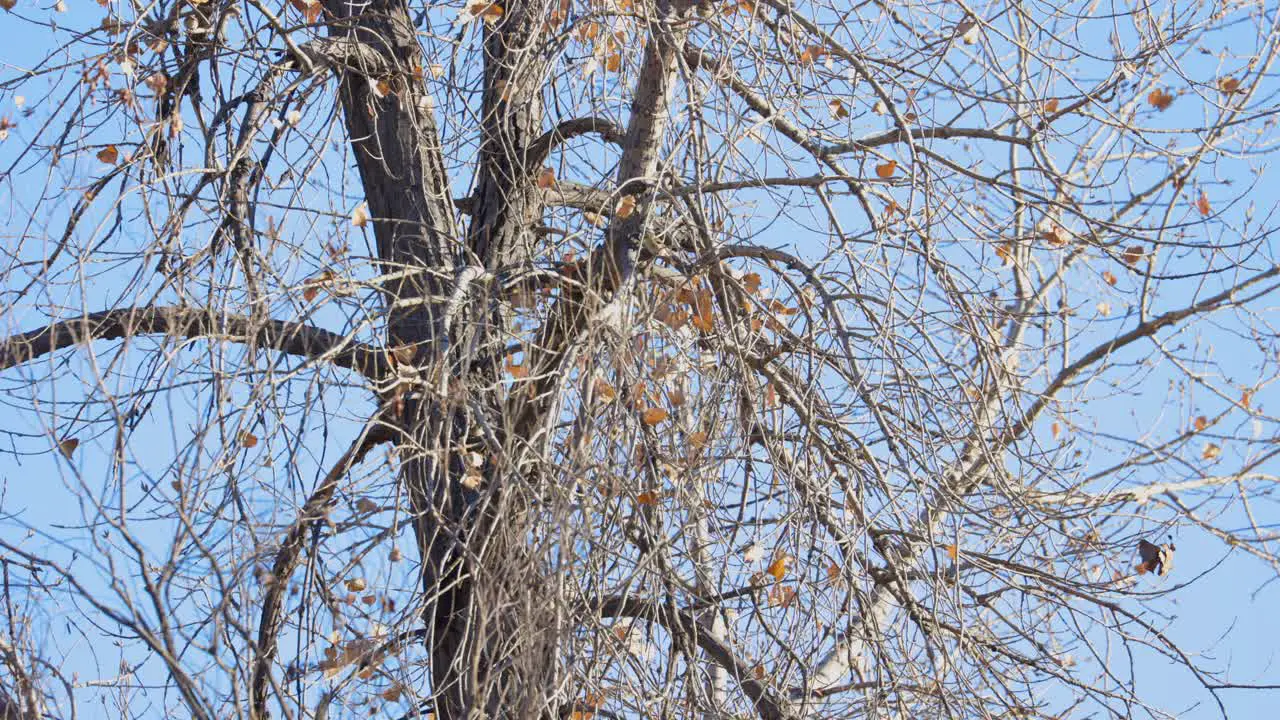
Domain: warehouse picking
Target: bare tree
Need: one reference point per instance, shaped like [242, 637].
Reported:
[631, 358]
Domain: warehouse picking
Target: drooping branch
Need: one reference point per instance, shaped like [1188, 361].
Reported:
[298, 339]
[681, 624]
[286, 560]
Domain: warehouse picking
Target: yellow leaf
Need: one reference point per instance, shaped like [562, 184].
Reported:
[653, 416]
[109, 155]
[625, 207]
[885, 170]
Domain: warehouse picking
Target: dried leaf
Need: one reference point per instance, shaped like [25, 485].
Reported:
[653, 416]
[698, 439]
[108, 155]
[1160, 99]
[1133, 255]
[778, 568]
[1054, 430]
[310, 9]
[837, 109]
[66, 446]
[885, 170]
[1211, 451]
[1108, 277]
[648, 498]
[546, 178]
[1201, 422]
[953, 552]
[625, 207]
[360, 216]
[355, 585]
[1202, 204]
[1228, 85]
[248, 439]
[1246, 399]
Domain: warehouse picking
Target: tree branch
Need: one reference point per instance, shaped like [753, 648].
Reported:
[288, 337]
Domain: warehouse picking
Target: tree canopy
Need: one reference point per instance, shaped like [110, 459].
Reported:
[635, 358]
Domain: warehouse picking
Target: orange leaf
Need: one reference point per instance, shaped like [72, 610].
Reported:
[1108, 277]
[515, 370]
[653, 416]
[648, 498]
[697, 439]
[833, 572]
[1211, 451]
[812, 54]
[546, 178]
[310, 9]
[1160, 99]
[1202, 204]
[1051, 107]
[778, 568]
[248, 439]
[1055, 429]
[1246, 398]
[625, 207]
[1201, 423]
[67, 446]
[1228, 85]
[604, 389]
[109, 155]
[751, 281]
[953, 552]
[885, 170]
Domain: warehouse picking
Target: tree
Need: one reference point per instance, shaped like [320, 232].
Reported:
[631, 358]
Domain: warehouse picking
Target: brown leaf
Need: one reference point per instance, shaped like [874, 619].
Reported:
[1160, 99]
[1246, 398]
[546, 178]
[1051, 107]
[1133, 255]
[953, 552]
[1108, 277]
[648, 498]
[837, 108]
[109, 155]
[310, 9]
[885, 170]
[1228, 85]
[1211, 451]
[66, 446]
[625, 207]
[1202, 204]
[248, 439]
[1201, 423]
[653, 416]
